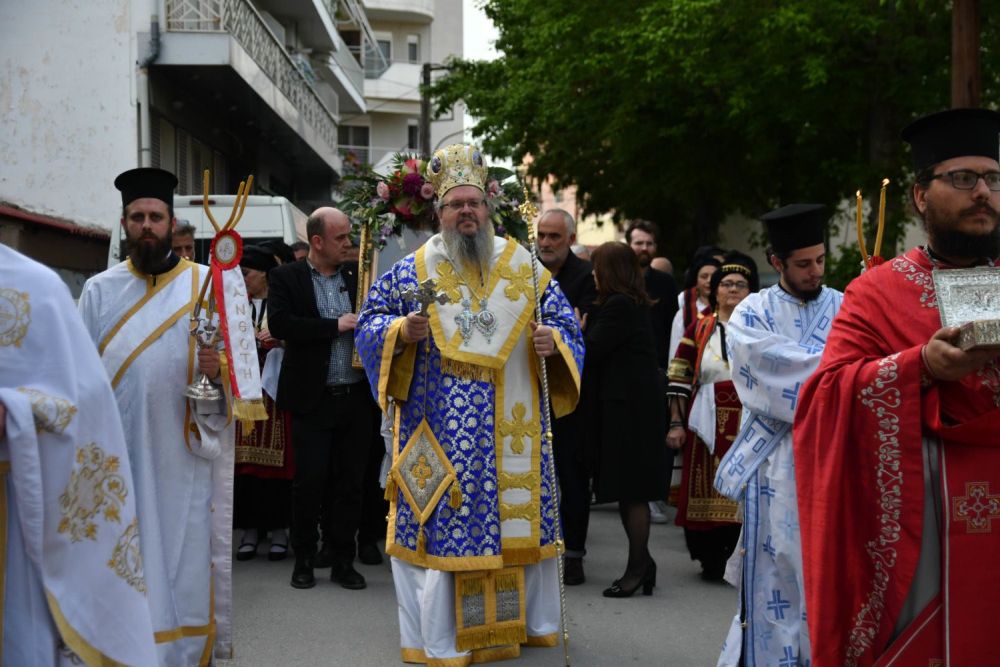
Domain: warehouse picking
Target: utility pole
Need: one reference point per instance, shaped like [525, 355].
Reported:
[966, 89]
[425, 107]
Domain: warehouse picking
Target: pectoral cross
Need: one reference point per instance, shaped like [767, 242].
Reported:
[425, 294]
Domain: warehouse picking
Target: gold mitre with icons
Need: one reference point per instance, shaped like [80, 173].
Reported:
[458, 164]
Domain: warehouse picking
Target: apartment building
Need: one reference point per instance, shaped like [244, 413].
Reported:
[90, 88]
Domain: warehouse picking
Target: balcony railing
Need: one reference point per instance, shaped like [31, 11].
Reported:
[240, 19]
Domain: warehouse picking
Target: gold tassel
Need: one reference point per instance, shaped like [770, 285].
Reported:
[390, 489]
[247, 425]
[480, 637]
[468, 371]
[252, 410]
[456, 496]
[421, 542]
[506, 581]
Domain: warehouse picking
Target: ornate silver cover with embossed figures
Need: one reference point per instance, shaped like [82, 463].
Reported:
[970, 300]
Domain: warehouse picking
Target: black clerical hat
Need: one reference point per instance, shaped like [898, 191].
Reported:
[795, 226]
[146, 182]
[258, 257]
[953, 133]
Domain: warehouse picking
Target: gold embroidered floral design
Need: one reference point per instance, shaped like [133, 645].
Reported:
[517, 428]
[15, 316]
[518, 281]
[51, 414]
[883, 398]
[126, 559]
[95, 490]
[448, 281]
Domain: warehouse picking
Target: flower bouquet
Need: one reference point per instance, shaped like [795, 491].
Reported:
[384, 204]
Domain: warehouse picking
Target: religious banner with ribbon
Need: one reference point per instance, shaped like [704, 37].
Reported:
[232, 304]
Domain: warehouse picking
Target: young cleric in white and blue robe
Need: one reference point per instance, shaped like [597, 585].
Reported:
[776, 338]
[70, 563]
[472, 519]
[137, 313]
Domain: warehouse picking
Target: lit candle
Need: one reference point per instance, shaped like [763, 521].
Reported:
[881, 218]
[861, 232]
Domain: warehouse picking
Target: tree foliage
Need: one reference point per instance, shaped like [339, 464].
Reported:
[681, 111]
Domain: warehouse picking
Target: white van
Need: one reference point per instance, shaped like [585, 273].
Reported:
[265, 218]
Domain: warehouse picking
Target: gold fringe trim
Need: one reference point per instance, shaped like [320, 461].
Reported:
[456, 496]
[390, 489]
[481, 637]
[507, 581]
[473, 586]
[249, 410]
[468, 371]
[494, 654]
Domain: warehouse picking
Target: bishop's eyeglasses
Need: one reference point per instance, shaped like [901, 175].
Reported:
[966, 179]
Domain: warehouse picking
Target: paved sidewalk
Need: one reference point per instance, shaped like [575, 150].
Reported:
[683, 623]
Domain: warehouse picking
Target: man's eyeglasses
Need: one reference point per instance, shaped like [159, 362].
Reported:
[734, 284]
[966, 179]
[457, 206]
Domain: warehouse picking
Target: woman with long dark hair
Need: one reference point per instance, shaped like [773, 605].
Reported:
[705, 416]
[624, 400]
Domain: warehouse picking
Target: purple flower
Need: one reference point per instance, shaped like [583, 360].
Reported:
[383, 190]
[412, 184]
[427, 191]
[386, 229]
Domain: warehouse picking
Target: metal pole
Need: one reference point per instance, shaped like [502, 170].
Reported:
[425, 111]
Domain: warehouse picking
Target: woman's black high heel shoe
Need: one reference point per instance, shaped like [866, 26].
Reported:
[647, 581]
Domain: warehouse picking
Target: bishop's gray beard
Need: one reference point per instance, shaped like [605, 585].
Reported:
[472, 250]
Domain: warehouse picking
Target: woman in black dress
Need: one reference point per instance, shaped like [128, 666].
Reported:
[624, 398]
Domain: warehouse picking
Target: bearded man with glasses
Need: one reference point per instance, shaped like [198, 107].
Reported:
[897, 437]
[775, 340]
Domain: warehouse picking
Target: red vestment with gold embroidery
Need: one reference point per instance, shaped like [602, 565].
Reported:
[859, 435]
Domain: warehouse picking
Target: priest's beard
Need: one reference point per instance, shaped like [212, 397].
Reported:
[952, 243]
[148, 252]
[471, 250]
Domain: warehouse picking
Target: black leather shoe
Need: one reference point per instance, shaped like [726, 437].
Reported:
[324, 558]
[573, 571]
[302, 575]
[345, 575]
[369, 554]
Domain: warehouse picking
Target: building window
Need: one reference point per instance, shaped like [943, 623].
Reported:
[375, 66]
[413, 136]
[354, 139]
[413, 48]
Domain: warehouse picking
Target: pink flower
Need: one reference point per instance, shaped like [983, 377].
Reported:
[412, 166]
[493, 188]
[382, 190]
[427, 191]
[413, 184]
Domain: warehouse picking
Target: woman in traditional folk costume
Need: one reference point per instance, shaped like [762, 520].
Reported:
[705, 418]
[623, 391]
[264, 463]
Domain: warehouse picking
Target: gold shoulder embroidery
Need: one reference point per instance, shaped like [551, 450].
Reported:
[15, 317]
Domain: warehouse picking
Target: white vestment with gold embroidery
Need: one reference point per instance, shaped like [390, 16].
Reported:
[181, 462]
[468, 488]
[71, 568]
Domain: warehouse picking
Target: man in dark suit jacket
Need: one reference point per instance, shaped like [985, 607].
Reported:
[642, 237]
[556, 233]
[310, 306]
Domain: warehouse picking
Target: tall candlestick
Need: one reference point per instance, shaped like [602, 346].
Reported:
[861, 232]
[881, 218]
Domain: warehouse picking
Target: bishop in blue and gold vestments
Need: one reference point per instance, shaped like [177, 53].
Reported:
[472, 524]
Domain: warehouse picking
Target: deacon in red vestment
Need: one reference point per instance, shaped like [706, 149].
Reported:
[897, 438]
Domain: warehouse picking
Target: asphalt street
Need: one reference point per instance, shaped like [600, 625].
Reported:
[683, 623]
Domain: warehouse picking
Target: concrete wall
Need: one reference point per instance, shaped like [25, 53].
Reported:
[446, 41]
[67, 112]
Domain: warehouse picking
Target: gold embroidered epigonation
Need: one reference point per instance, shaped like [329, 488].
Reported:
[95, 490]
[126, 559]
[51, 414]
[15, 316]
